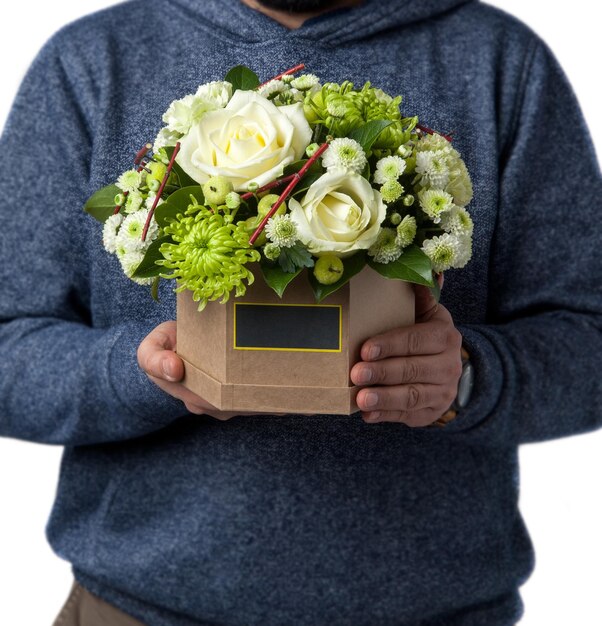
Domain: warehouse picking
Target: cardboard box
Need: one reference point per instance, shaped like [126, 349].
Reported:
[290, 355]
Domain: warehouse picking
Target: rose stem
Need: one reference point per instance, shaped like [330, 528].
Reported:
[287, 192]
[138, 160]
[160, 190]
[430, 131]
[297, 68]
[274, 183]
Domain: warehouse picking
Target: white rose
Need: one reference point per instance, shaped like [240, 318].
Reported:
[218, 91]
[340, 214]
[250, 140]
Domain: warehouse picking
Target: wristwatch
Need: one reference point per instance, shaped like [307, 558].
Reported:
[465, 385]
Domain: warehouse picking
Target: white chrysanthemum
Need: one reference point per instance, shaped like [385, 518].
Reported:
[282, 231]
[432, 169]
[305, 82]
[435, 202]
[109, 232]
[272, 88]
[434, 143]
[150, 200]
[296, 95]
[218, 92]
[134, 202]
[457, 221]
[406, 231]
[166, 139]
[129, 237]
[389, 168]
[385, 249]
[460, 185]
[130, 260]
[447, 251]
[129, 181]
[345, 154]
[182, 114]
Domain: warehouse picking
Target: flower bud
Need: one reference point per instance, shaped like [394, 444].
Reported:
[271, 251]
[233, 200]
[119, 199]
[409, 200]
[395, 219]
[311, 149]
[153, 184]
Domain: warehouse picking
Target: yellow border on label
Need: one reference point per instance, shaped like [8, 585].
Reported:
[322, 306]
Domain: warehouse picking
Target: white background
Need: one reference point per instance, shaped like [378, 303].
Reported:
[561, 497]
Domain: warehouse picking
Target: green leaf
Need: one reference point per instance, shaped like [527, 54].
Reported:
[293, 168]
[276, 278]
[165, 213]
[367, 134]
[101, 205]
[183, 179]
[291, 259]
[352, 266]
[243, 78]
[306, 182]
[155, 288]
[413, 265]
[147, 267]
[181, 198]
[436, 289]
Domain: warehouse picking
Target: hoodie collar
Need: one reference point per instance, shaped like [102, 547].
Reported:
[238, 21]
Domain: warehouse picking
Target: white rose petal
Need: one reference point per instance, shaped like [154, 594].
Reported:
[340, 214]
[250, 140]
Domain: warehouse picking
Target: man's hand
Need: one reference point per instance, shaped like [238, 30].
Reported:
[157, 357]
[413, 372]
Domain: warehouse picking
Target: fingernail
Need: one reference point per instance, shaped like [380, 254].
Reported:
[364, 375]
[168, 371]
[374, 352]
[371, 399]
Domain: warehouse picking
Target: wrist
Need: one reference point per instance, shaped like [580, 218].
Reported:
[465, 385]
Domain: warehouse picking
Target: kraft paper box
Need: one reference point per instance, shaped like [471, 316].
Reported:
[290, 355]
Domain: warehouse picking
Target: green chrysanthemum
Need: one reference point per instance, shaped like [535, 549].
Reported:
[208, 256]
[406, 231]
[385, 249]
[391, 191]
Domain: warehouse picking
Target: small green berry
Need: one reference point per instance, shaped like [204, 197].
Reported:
[157, 172]
[328, 269]
[267, 202]
[216, 189]
[153, 184]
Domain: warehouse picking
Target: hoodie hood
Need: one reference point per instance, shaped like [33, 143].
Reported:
[242, 23]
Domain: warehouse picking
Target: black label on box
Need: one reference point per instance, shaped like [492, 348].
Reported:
[298, 327]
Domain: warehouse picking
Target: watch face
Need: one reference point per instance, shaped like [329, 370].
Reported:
[465, 385]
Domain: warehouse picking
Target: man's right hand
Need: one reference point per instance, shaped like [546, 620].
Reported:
[157, 357]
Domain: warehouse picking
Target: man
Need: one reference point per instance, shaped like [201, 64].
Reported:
[174, 518]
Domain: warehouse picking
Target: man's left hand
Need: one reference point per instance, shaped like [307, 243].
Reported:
[412, 372]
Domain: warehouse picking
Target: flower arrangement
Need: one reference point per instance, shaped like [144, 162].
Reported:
[288, 175]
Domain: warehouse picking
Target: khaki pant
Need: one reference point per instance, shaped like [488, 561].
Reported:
[85, 609]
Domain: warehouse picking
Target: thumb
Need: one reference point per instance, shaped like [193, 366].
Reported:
[156, 354]
[425, 302]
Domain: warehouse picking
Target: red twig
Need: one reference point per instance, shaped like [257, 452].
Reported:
[430, 131]
[287, 192]
[160, 190]
[293, 70]
[274, 183]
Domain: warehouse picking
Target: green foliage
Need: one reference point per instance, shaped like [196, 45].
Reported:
[243, 78]
[276, 278]
[413, 266]
[291, 259]
[352, 265]
[101, 205]
[367, 134]
[147, 267]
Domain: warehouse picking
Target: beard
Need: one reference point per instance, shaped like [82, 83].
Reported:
[299, 6]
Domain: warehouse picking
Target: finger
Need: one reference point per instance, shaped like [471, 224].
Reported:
[156, 354]
[404, 370]
[425, 302]
[414, 419]
[404, 398]
[414, 340]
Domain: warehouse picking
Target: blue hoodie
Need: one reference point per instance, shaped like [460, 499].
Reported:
[183, 520]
